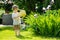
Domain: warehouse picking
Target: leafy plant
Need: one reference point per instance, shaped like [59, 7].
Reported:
[48, 24]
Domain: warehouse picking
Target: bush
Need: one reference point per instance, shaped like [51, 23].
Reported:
[47, 24]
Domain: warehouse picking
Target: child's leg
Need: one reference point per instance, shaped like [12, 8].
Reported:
[17, 29]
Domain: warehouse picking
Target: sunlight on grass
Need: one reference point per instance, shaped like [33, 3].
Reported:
[8, 34]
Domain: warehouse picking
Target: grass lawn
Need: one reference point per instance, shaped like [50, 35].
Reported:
[7, 33]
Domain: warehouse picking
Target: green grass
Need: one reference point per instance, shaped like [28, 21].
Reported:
[7, 33]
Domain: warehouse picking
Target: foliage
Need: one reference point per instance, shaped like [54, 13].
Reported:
[1, 12]
[30, 5]
[57, 5]
[47, 24]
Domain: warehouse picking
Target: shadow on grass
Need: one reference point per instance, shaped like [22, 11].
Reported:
[46, 36]
[6, 28]
[23, 37]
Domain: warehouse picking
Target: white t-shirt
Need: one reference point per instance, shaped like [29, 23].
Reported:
[16, 19]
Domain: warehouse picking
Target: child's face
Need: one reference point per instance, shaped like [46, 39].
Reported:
[16, 9]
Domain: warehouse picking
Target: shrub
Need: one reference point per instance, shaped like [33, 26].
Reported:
[47, 24]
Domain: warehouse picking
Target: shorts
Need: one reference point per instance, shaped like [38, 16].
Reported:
[16, 22]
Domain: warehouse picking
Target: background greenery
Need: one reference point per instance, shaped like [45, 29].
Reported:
[30, 5]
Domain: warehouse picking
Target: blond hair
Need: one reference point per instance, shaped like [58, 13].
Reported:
[14, 7]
